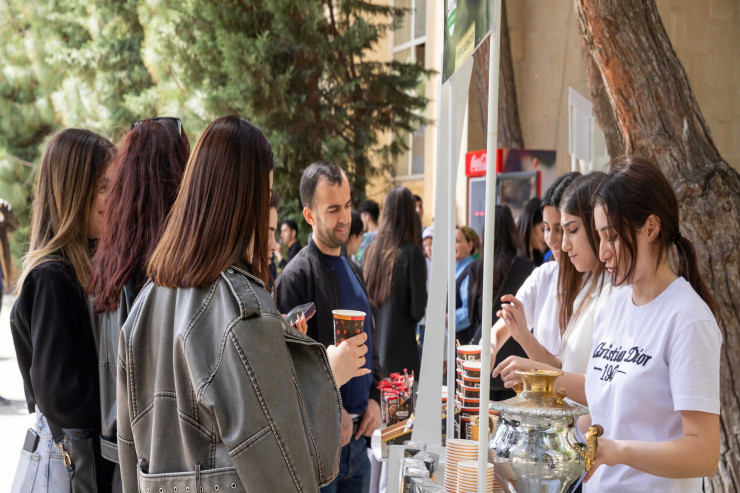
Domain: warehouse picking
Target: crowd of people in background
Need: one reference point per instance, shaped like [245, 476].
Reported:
[150, 333]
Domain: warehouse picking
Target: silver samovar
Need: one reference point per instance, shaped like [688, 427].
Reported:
[534, 448]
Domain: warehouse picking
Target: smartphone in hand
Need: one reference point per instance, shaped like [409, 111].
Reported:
[306, 310]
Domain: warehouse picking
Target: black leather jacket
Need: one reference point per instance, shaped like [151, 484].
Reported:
[307, 279]
[214, 388]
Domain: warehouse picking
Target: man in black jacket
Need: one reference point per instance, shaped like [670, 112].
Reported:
[320, 273]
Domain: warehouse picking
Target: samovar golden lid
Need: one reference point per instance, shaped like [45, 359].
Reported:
[537, 396]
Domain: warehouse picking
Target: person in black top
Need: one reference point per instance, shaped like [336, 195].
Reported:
[532, 232]
[322, 275]
[395, 272]
[289, 237]
[509, 273]
[50, 321]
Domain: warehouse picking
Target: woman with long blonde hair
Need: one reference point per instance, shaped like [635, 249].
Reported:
[50, 321]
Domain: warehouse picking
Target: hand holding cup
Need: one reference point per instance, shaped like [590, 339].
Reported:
[347, 359]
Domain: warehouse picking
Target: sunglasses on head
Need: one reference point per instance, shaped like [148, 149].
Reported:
[172, 119]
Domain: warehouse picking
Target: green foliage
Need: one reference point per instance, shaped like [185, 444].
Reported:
[66, 63]
[300, 69]
[26, 113]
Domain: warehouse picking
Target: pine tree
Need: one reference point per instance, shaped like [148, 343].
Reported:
[26, 111]
[297, 68]
[300, 71]
[66, 63]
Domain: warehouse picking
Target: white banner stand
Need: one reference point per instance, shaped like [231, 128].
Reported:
[427, 427]
[395, 457]
[488, 242]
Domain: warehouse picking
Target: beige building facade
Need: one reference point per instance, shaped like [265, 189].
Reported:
[547, 58]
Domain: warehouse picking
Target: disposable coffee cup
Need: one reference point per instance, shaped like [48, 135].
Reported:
[347, 323]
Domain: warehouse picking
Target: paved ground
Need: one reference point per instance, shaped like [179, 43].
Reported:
[14, 418]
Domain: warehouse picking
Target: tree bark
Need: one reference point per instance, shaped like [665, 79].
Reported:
[509, 128]
[658, 118]
[602, 107]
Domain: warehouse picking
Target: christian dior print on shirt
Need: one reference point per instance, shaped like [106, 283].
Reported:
[610, 362]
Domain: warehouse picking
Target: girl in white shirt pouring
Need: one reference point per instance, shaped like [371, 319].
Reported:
[652, 380]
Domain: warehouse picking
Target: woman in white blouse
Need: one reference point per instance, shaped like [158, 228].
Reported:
[538, 296]
[583, 288]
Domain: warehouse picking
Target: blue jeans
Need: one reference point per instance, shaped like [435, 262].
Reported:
[354, 469]
[42, 470]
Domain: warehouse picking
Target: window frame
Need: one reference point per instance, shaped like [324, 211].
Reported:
[410, 45]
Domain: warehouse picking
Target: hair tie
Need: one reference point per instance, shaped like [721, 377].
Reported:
[677, 238]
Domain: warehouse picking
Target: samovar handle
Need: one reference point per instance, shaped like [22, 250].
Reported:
[592, 445]
[560, 394]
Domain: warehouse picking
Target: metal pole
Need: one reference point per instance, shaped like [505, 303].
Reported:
[451, 226]
[488, 251]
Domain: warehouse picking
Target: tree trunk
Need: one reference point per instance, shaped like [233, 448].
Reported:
[602, 107]
[659, 119]
[509, 129]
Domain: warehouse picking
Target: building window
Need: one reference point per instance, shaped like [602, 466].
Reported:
[409, 42]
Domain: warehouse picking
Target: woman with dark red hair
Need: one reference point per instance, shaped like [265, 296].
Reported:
[147, 174]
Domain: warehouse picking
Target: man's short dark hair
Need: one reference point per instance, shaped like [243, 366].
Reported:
[355, 227]
[371, 207]
[313, 174]
[418, 199]
[291, 224]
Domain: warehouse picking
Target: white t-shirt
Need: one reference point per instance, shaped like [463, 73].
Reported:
[578, 337]
[649, 363]
[539, 297]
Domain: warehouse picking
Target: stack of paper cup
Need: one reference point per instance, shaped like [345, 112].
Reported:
[469, 352]
[467, 478]
[456, 452]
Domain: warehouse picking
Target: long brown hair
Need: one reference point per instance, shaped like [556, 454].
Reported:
[221, 214]
[576, 201]
[399, 224]
[72, 166]
[148, 171]
[505, 246]
[634, 189]
[528, 219]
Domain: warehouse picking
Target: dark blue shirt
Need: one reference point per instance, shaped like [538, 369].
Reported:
[356, 392]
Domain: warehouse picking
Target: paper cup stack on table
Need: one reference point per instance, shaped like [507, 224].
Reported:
[467, 478]
[469, 395]
[456, 452]
[466, 354]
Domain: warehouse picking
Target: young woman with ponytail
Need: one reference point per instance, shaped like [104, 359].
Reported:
[652, 380]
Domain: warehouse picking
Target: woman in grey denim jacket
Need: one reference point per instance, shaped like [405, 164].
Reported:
[216, 392]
